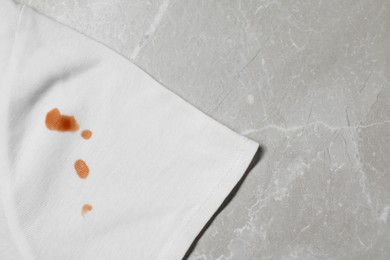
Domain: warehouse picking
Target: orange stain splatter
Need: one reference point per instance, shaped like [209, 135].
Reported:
[86, 208]
[86, 134]
[57, 122]
[81, 169]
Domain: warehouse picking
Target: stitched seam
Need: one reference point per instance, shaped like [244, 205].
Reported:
[227, 173]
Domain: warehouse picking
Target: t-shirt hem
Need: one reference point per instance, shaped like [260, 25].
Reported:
[178, 246]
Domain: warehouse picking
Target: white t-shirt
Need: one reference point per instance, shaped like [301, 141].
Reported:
[97, 159]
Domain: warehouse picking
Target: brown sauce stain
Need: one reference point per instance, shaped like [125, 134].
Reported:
[86, 208]
[81, 169]
[63, 123]
[57, 122]
[86, 134]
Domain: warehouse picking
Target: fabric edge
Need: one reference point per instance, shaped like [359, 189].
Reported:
[177, 247]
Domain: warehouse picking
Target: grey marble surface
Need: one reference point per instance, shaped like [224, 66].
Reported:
[309, 80]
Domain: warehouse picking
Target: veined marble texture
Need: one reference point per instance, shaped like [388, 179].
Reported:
[308, 80]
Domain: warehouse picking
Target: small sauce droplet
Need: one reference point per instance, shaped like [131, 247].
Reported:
[81, 169]
[86, 134]
[86, 208]
[57, 122]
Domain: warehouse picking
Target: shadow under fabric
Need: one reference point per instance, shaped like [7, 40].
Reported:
[98, 160]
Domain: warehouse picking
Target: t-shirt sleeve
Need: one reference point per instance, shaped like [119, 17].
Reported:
[99, 160]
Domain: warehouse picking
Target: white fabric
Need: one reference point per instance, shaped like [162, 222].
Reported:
[159, 168]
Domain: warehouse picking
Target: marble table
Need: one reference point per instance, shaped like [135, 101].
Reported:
[309, 80]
